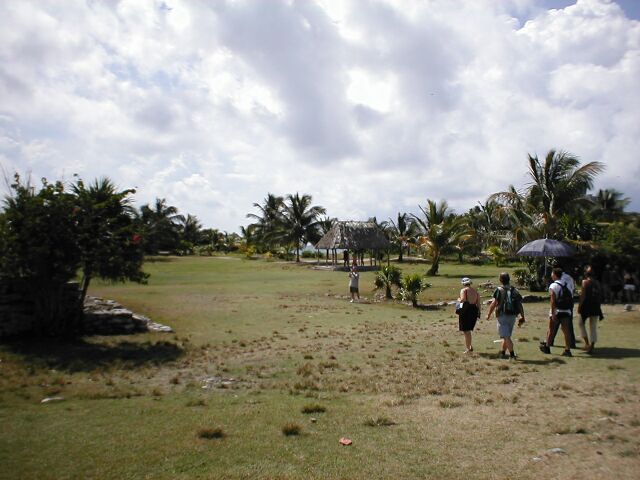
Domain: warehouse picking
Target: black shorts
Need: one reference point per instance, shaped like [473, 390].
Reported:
[353, 289]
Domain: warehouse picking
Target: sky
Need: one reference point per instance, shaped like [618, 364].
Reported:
[369, 106]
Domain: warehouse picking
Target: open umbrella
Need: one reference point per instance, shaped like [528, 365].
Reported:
[546, 247]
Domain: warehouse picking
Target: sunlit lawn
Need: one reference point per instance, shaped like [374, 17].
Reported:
[257, 342]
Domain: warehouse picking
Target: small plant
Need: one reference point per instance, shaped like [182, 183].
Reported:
[313, 408]
[291, 429]
[412, 285]
[197, 403]
[389, 276]
[379, 422]
[211, 433]
[450, 404]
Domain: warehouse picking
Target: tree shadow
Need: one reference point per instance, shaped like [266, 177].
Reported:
[82, 356]
[614, 352]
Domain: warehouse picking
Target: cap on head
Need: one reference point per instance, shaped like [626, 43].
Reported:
[466, 281]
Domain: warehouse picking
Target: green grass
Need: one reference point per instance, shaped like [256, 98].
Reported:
[258, 346]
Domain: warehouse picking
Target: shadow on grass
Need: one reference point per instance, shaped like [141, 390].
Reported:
[526, 361]
[82, 356]
[614, 352]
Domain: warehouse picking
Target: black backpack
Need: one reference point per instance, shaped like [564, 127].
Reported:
[511, 298]
[564, 301]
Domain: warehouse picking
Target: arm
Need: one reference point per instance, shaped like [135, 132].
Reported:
[492, 307]
[582, 294]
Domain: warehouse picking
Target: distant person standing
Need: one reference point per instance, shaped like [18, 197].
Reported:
[507, 303]
[629, 287]
[590, 309]
[345, 258]
[354, 278]
[561, 311]
[616, 285]
[470, 299]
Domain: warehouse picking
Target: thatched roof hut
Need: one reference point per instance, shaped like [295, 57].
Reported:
[354, 236]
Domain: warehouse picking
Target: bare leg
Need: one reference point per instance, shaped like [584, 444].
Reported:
[467, 341]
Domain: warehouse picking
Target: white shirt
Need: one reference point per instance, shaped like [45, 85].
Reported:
[556, 288]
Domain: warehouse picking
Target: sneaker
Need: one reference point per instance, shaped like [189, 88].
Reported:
[567, 353]
[513, 356]
[468, 350]
[351, 301]
[544, 348]
[502, 355]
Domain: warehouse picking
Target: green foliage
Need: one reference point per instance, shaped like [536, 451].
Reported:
[109, 243]
[622, 243]
[498, 255]
[411, 286]
[47, 235]
[39, 249]
[388, 276]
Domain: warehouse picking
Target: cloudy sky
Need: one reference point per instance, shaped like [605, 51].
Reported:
[370, 106]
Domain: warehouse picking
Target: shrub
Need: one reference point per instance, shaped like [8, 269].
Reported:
[388, 276]
[412, 285]
[313, 408]
[211, 433]
[291, 429]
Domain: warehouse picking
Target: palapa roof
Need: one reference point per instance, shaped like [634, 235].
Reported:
[354, 236]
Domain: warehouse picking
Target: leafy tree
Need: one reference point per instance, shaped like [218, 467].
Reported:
[387, 277]
[40, 253]
[300, 222]
[110, 246]
[441, 231]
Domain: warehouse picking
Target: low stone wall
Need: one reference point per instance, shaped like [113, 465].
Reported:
[101, 317]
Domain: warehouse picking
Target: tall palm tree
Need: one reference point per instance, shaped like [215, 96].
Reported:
[300, 221]
[401, 231]
[267, 220]
[559, 185]
[608, 205]
[442, 230]
[191, 229]
[161, 226]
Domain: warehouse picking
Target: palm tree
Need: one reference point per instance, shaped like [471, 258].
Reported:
[559, 185]
[608, 205]
[387, 277]
[267, 220]
[160, 225]
[191, 229]
[441, 229]
[401, 231]
[300, 221]
[411, 286]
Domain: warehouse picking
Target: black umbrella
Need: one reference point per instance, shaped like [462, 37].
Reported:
[547, 247]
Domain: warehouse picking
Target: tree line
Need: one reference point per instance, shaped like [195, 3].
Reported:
[48, 235]
[555, 203]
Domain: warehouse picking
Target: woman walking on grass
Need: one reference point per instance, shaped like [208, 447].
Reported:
[590, 308]
[470, 299]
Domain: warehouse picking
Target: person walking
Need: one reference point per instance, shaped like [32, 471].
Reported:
[561, 311]
[507, 303]
[470, 300]
[354, 278]
[568, 281]
[590, 309]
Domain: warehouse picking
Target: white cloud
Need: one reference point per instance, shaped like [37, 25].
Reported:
[372, 107]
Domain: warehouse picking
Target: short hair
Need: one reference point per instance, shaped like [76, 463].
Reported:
[557, 272]
[588, 271]
[505, 278]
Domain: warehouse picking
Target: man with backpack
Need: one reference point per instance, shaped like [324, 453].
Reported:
[561, 299]
[507, 303]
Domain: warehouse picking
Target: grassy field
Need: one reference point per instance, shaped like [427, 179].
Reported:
[270, 366]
